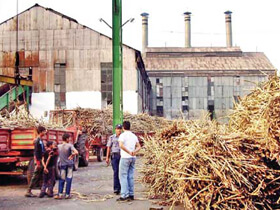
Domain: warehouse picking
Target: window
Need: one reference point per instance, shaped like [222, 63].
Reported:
[106, 84]
[60, 85]
[185, 108]
[159, 96]
[185, 98]
[160, 111]
[211, 111]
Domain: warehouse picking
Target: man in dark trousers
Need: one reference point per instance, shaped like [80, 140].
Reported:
[114, 150]
[48, 163]
[39, 150]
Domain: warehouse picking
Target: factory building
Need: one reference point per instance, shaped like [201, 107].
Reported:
[188, 81]
[72, 63]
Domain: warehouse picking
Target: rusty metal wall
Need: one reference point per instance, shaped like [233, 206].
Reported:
[46, 38]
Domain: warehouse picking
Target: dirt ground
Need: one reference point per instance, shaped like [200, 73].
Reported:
[91, 189]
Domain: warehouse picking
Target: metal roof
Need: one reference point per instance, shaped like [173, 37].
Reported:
[210, 58]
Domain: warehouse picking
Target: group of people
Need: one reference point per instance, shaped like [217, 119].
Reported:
[122, 148]
[45, 159]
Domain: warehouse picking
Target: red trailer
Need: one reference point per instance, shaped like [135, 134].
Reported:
[17, 145]
[96, 144]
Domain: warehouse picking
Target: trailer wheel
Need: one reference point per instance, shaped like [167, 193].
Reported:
[99, 154]
[76, 163]
[30, 170]
[84, 158]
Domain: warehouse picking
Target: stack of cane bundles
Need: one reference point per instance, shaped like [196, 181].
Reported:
[20, 118]
[100, 122]
[205, 165]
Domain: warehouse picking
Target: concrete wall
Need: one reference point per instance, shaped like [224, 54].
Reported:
[41, 102]
[130, 102]
[85, 99]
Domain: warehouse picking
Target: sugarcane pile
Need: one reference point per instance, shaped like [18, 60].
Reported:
[20, 118]
[205, 165]
[99, 122]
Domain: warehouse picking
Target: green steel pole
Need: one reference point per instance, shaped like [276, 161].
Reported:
[117, 63]
[27, 90]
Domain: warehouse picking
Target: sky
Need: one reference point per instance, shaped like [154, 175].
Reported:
[255, 23]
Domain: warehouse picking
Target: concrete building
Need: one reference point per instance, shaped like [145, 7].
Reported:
[190, 80]
[72, 64]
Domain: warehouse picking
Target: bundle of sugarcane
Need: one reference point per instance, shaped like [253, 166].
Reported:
[257, 113]
[205, 165]
[20, 118]
[273, 117]
[99, 122]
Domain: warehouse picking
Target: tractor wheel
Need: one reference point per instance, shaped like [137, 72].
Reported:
[99, 154]
[84, 158]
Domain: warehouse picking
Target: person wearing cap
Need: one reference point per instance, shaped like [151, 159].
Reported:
[114, 150]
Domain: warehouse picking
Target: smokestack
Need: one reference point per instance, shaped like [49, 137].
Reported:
[228, 28]
[144, 31]
[187, 29]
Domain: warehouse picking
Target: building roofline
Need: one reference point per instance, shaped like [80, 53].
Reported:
[191, 49]
[64, 16]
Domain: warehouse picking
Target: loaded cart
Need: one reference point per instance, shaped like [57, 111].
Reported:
[95, 143]
[17, 145]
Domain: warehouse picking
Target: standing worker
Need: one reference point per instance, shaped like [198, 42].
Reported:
[48, 162]
[114, 150]
[82, 139]
[129, 145]
[67, 152]
[39, 150]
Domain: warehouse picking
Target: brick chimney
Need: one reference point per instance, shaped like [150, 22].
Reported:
[187, 29]
[228, 28]
[144, 31]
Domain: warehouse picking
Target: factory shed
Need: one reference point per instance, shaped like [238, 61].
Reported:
[188, 81]
[72, 63]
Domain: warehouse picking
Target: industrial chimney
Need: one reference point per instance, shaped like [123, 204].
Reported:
[187, 29]
[228, 28]
[144, 31]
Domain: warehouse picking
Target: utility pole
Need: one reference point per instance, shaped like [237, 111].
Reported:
[117, 64]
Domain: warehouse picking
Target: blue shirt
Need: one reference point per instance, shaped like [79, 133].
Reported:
[113, 143]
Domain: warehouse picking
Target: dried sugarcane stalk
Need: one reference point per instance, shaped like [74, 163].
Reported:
[205, 165]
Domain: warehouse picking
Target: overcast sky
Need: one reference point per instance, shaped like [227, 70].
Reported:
[255, 23]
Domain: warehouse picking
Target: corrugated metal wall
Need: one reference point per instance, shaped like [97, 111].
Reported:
[223, 95]
[197, 96]
[47, 37]
[190, 97]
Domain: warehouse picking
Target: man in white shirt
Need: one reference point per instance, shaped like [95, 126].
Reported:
[129, 145]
